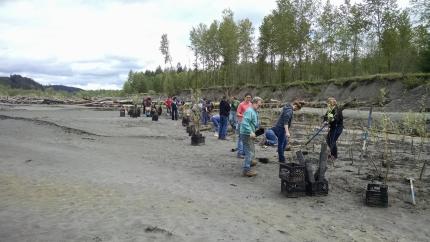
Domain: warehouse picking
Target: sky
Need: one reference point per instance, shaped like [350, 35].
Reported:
[93, 44]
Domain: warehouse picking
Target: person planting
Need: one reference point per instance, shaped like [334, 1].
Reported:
[282, 127]
[334, 119]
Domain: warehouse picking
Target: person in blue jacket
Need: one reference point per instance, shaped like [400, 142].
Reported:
[215, 119]
[270, 138]
[282, 127]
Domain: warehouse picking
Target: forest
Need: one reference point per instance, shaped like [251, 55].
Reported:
[299, 41]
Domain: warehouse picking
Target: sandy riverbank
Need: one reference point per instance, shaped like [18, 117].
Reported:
[87, 175]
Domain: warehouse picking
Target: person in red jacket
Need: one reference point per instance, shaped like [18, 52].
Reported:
[243, 106]
[168, 104]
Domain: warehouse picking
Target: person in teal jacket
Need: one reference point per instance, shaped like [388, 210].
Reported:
[248, 126]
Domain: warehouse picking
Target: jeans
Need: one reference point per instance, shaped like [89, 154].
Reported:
[215, 124]
[332, 136]
[174, 113]
[205, 118]
[249, 149]
[271, 138]
[282, 143]
[239, 142]
[232, 119]
[223, 123]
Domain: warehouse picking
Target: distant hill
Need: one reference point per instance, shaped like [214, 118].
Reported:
[17, 81]
[20, 82]
[64, 88]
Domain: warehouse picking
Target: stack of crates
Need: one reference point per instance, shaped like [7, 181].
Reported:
[293, 183]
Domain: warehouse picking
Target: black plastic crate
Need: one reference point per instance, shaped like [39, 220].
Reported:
[377, 195]
[317, 188]
[197, 139]
[293, 189]
[122, 113]
[292, 172]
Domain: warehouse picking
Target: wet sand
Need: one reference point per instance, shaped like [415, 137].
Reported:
[69, 173]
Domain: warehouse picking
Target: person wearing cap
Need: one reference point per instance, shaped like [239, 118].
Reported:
[248, 126]
[282, 127]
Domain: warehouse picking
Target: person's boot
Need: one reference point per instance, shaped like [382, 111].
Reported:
[253, 163]
[250, 173]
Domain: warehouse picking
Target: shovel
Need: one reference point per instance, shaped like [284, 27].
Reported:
[411, 183]
[315, 135]
[299, 153]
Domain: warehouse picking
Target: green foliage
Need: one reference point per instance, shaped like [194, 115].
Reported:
[300, 43]
[412, 81]
[382, 96]
[353, 85]
[49, 92]
[415, 124]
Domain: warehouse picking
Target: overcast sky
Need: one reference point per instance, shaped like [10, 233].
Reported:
[93, 44]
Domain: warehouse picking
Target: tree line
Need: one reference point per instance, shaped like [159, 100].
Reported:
[300, 40]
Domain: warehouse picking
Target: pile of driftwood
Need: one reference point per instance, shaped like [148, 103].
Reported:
[107, 102]
[32, 100]
[101, 102]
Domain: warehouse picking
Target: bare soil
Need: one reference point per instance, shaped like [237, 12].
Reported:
[69, 173]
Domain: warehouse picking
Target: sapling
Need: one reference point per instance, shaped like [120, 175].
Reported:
[196, 111]
[351, 146]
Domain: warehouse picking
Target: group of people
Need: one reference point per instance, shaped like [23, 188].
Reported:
[172, 106]
[247, 123]
[243, 117]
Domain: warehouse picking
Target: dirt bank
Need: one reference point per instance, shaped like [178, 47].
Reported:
[385, 94]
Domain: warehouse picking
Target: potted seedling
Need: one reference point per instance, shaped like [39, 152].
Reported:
[196, 137]
[377, 193]
[186, 116]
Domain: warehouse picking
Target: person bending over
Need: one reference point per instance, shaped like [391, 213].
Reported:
[282, 127]
[270, 138]
[215, 120]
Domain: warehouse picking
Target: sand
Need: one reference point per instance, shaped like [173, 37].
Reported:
[69, 173]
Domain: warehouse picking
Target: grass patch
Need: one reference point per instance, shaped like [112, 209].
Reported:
[413, 81]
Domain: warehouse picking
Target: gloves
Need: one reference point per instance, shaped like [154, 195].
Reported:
[330, 117]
